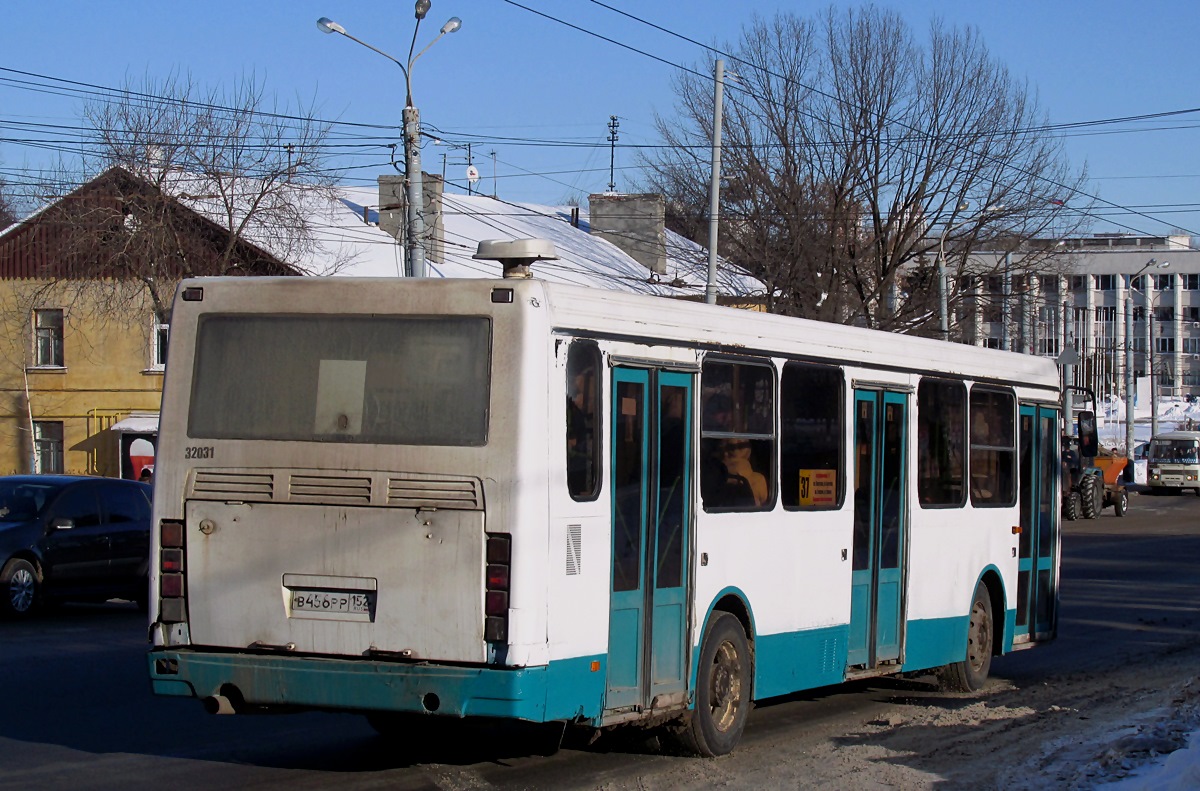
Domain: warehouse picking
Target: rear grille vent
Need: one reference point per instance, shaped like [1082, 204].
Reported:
[574, 549]
[434, 493]
[210, 484]
[329, 488]
[355, 488]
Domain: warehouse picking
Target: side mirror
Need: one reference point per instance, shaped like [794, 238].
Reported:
[1088, 444]
[61, 523]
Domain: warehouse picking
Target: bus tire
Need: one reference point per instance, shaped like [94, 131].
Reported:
[1121, 502]
[970, 674]
[1089, 496]
[722, 690]
[19, 588]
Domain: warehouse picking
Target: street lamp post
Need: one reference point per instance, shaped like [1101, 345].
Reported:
[1129, 411]
[414, 265]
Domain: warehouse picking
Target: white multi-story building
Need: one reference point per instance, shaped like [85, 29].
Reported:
[1079, 298]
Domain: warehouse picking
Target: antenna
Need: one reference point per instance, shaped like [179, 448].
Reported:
[613, 126]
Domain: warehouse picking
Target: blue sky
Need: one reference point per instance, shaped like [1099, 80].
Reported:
[514, 75]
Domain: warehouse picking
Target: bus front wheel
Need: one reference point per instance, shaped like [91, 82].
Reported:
[970, 674]
[722, 690]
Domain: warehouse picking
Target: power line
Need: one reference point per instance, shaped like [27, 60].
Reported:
[814, 89]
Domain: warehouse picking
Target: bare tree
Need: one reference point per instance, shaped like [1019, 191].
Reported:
[8, 208]
[853, 153]
[192, 182]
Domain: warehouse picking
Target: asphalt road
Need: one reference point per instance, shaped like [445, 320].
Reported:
[78, 713]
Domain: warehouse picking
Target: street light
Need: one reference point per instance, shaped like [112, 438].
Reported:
[414, 265]
[1129, 415]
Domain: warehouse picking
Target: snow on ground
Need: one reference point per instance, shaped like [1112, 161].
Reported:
[1173, 413]
[1176, 771]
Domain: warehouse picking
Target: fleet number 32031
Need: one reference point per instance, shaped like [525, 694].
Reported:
[199, 452]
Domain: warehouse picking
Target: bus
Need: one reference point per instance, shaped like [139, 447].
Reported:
[1173, 462]
[430, 500]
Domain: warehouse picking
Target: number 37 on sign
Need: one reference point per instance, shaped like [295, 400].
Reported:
[818, 487]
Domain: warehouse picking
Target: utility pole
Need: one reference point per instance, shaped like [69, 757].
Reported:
[613, 126]
[495, 187]
[470, 162]
[714, 187]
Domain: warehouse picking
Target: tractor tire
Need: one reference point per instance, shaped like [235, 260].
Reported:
[1121, 502]
[1071, 506]
[1090, 496]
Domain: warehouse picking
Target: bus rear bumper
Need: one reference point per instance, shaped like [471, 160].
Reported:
[570, 689]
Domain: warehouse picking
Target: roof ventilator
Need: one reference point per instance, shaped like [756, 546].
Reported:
[516, 255]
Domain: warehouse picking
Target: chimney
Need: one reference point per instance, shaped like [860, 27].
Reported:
[634, 223]
[393, 213]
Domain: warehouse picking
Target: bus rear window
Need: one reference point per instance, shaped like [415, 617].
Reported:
[358, 379]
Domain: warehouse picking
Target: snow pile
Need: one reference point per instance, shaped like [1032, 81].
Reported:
[1162, 755]
[1178, 771]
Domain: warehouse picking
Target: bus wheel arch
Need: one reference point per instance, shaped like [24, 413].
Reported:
[729, 621]
[984, 637]
[723, 690]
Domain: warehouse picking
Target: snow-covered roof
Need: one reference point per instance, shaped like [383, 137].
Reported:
[583, 259]
[344, 237]
[137, 424]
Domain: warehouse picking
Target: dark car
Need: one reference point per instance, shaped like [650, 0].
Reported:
[72, 538]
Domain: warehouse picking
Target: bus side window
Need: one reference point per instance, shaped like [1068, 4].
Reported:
[811, 429]
[737, 436]
[993, 447]
[583, 424]
[941, 439]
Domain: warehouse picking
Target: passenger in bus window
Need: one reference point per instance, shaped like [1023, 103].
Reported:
[721, 486]
[735, 454]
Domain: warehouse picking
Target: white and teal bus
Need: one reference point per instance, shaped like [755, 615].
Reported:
[1173, 462]
[513, 499]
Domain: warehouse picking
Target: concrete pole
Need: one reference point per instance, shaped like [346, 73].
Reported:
[414, 264]
[943, 307]
[1129, 413]
[714, 187]
[1150, 355]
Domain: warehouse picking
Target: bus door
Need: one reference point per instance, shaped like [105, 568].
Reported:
[1038, 544]
[651, 462]
[880, 518]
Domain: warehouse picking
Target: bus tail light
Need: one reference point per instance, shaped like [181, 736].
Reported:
[495, 600]
[172, 603]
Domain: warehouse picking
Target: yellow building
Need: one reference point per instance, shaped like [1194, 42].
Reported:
[67, 376]
[85, 288]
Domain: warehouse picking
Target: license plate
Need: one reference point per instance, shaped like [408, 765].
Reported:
[331, 602]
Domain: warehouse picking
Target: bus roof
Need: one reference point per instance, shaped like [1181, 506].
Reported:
[662, 320]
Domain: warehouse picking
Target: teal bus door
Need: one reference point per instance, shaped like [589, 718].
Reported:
[880, 516]
[1038, 542]
[651, 479]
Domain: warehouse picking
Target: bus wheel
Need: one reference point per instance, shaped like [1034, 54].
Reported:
[970, 674]
[722, 690]
[1089, 496]
[18, 588]
[1121, 504]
